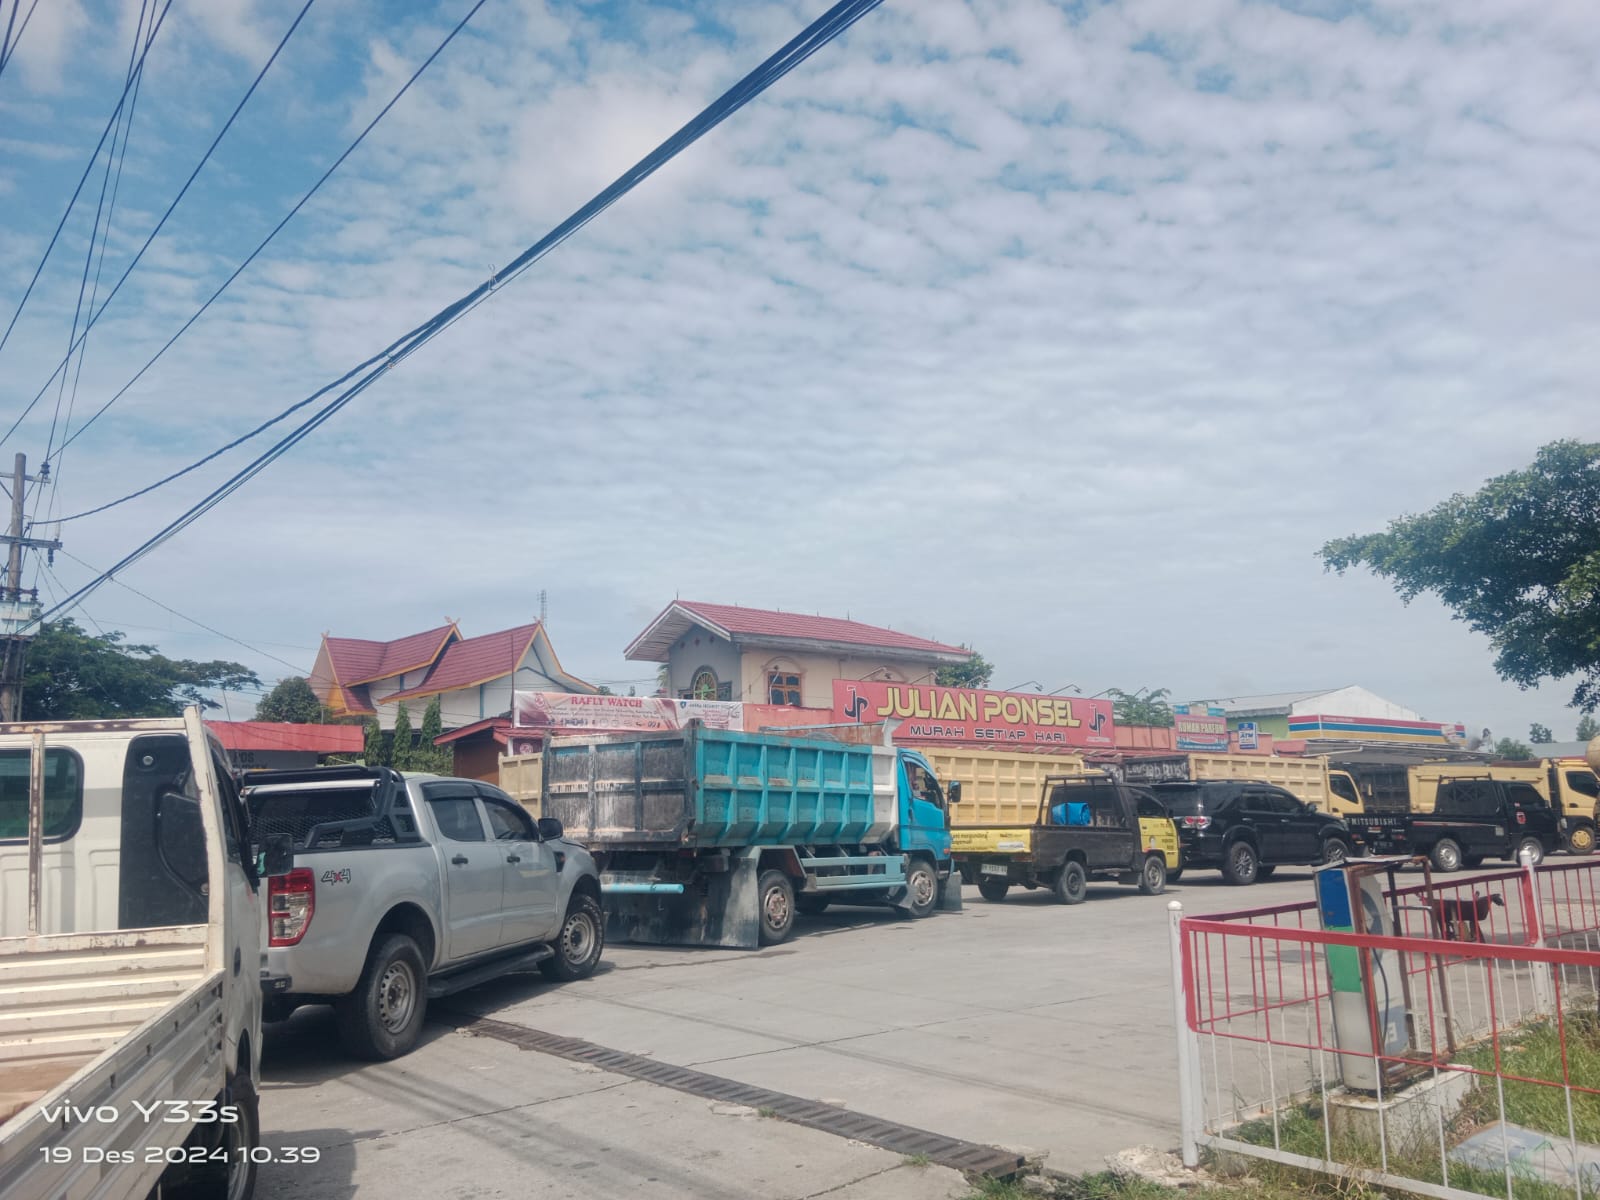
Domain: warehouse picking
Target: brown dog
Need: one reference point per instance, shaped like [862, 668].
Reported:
[1461, 920]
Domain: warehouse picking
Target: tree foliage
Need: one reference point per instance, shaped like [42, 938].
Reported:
[291, 701]
[403, 744]
[1518, 561]
[375, 751]
[974, 673]
[1511, 748]
[1539, 734]
[1147, 706]
[1587, 727]
[436, 760]
[72, 675]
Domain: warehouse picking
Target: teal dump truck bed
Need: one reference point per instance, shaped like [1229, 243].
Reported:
[709, 788]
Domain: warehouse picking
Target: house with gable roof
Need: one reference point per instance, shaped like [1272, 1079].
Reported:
[472, 677]
[763, 656]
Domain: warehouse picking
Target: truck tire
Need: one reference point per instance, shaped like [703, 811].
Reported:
[1153, 875]
[1335, 850]
[578, 946]
[1241, 864]
[1071, 883]
[1445, 856]
[1533, 846]
[382, 1018]
[1580, 839]
[812, 905]
[922, 888]
[775, 899]
[234, 1179]
[1472, 861]
[993, 889]
[1265, 870]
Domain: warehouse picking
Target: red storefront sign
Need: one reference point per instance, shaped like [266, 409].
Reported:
[927, 713]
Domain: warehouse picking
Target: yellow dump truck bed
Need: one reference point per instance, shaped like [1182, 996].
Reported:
[998, 787]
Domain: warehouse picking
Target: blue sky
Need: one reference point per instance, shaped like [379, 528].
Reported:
[1067, 331]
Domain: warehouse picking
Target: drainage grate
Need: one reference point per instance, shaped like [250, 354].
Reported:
[890, 1135]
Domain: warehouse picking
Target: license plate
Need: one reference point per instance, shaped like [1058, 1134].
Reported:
[994, 869]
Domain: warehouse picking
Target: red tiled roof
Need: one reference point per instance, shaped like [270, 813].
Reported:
[499, 726]
[356, 660]
[472, 661]
[274, 735]
[360, 661]
[758, 623]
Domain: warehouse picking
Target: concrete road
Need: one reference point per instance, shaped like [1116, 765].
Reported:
[1024, 1024]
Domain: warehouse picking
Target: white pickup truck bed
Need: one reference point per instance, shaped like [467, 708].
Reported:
[101, 1019]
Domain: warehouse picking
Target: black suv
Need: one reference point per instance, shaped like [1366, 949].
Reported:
[1247, 829]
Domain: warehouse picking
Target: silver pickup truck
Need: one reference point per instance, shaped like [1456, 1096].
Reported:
[384, 891]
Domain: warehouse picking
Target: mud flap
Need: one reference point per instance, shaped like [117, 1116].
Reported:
[950, 894]
[725, 913]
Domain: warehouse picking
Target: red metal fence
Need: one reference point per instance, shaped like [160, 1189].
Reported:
[1493, 1084]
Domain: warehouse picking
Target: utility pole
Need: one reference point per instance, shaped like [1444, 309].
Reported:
[19, 607]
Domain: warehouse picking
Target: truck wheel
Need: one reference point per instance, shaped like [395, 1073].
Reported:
[235, 1178]
[1335, 850]
[1240, 864]
[1445, 856]
[1580, 839]
[1153, 876]
[776, 896]
[583, 937]
[993, 889]
[382, 1018]
[242, 1137]
[922, 888]
[1535, 849]
[812, 905]
[1072, 883]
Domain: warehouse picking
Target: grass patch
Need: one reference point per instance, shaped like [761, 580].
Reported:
[1535, 1052]
[766, 1112]
[916, 1160]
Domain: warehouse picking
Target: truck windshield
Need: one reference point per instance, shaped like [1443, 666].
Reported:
[1584, 783]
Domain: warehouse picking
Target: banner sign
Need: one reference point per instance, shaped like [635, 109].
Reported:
[1155, 770]
[1249, 736]
[927, 713]
[639, 714]
[1196, 730]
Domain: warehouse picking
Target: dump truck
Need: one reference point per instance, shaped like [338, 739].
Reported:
[1327, 788]
[1077, 827]
[130, 1017]
[998, 787]
[715, 837]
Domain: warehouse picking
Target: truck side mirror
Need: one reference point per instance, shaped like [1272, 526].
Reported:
[955, 791]
[278, 855]
[550, 829]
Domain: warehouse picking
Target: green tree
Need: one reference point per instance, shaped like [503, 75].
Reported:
[1511, 748]
[403, 746]
[375, 752]
[72, 675]
[436, 760]
[292, 701]
[1587, 727]
[1539, 734]
[1147, 706]
[974, 673]
[1518, 561]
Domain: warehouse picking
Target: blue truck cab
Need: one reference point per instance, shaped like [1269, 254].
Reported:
[716, 837]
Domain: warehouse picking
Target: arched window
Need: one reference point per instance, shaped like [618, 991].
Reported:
[704, 685]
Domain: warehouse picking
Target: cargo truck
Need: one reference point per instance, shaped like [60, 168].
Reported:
[716, 837]
[1567, 786]
[1327, 788]
[1476, 817]
[1078, 827]
[130, 1013]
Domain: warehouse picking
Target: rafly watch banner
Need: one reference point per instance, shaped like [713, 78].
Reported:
[977, 716]
[564, 710]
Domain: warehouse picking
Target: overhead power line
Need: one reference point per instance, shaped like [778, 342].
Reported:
[276, 229]
[816, 35]
[8, 47]
[193, 175]
[115, 113]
